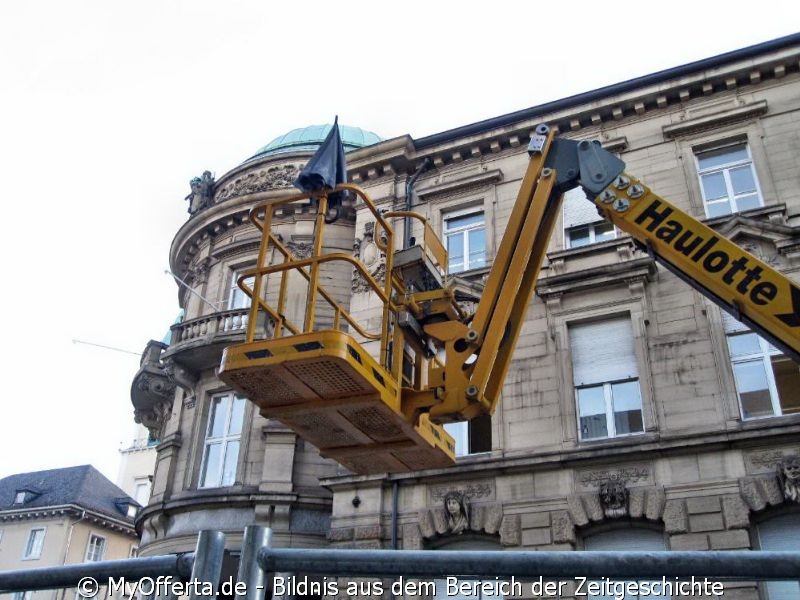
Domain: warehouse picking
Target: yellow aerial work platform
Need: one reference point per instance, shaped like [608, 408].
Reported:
[323, 384]
[325, 387]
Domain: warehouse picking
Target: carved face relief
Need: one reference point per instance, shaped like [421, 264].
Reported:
[614, 498]
[789, 476]
[456, 510]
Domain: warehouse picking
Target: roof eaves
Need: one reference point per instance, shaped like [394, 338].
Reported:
[604, 92]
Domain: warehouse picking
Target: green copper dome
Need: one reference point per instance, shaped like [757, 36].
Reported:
[310, 138]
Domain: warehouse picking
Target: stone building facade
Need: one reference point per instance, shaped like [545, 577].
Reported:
[635, 414]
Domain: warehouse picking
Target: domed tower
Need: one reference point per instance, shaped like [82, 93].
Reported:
[220, 464]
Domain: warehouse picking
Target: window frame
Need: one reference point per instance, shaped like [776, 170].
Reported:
[608, 397]
[464, 231]
[90, 548]
[464, 430]
[725, 170]
[225, 439]
[637, 374]
[32, 550]
[592, 234]
[765, 354]
[235, 291]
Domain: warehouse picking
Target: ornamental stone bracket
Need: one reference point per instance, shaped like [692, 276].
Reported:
[612, 500]
[184, 378]
[152, 390]
[489, 519]
[761, 491]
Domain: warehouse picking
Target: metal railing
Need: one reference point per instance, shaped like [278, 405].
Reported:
[259, 562]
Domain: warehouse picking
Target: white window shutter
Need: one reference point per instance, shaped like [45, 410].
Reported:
[781, 534]
[602, 351]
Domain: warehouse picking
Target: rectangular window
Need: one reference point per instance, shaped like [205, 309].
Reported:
[142, 490]
[728, 180]
[96, 548]
[767, 381]
[465, 239]
[472, 437]
[606, 379]
[582, 224]
[237, 298]
[33, 548]
[221, 449]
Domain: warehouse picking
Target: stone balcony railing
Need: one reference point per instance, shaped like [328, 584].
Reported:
[198, 343]
[229, 321]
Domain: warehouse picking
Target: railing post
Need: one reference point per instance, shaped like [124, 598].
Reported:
[256, 580]
[207, 567]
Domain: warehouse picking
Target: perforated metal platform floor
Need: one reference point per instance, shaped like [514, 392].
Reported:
[333, 394]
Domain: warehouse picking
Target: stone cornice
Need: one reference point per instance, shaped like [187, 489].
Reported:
[634, 448]
[471, 181]
[717, 119]
[597, 277]
[399, 157]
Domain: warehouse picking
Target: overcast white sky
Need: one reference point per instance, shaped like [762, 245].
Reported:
[108, 109]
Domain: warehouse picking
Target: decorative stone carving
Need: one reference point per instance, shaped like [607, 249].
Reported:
[184, 378]
[483, 518]
[202, 192]
[154, 416]
[180, 375]
[152, 390]
[474, 490]
[593, 479]
[359, 283]
[456, 509]
[366, 250]
[789, 478]
[300, 250]
[262, 180]
[198, 271]
[614, 498]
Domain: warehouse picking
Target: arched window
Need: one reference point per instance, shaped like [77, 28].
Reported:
[629, 539]
[780, 533]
